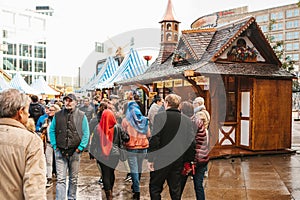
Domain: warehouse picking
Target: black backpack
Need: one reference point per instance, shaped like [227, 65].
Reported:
[35, 111]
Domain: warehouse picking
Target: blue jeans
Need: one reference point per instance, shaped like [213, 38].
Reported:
[68, 164]
[135, 161]
[198, 181]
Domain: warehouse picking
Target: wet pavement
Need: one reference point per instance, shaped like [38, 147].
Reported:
[246, 178]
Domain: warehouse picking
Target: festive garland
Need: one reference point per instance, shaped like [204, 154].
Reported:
[242, 53]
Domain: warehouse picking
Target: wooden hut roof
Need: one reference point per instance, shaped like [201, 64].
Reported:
[240, 69]
[227, 34]
[193, 38]
[205, 46]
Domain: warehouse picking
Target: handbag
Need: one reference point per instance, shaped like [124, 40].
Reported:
[123, 153]
[123, 137]
[115, 150]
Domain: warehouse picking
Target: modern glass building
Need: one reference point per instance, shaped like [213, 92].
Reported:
[23, 41]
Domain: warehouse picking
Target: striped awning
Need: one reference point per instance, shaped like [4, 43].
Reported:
[108, 69]
[42, 87]
[106, 72]
[131, 66]
[20, 84]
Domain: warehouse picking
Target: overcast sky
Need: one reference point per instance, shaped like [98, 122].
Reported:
[79, 24]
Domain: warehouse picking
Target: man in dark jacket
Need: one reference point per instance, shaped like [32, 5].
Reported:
[172, 136]
[69, 135]
[36, 109]
[87, 109]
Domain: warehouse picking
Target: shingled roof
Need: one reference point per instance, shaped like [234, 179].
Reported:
[261, 70]
[226, 35]
[192, 39]
[205, 46]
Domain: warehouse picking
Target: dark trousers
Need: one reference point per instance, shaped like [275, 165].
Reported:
[108, 173]
[171, 173]
[53, 164]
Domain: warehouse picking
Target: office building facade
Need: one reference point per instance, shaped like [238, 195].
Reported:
[23, 40]
[285, 26]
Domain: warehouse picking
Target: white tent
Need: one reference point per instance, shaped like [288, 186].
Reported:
[42, 87]
[3, 84]
[20, 84]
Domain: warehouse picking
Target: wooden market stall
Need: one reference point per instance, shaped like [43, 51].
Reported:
[235, 69]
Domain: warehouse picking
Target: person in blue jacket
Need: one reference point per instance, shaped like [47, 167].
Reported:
[42, 119]
[69, 135]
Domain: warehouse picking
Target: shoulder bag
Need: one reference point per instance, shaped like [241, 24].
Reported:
[123, 137]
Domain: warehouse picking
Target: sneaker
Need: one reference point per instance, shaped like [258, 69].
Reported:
[127, 178]
[206, 174]
[54, 177]
[100, 182]
[49, 183]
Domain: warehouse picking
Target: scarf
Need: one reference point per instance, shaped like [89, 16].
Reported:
[106, 131]
[136, 119]
[199, 108]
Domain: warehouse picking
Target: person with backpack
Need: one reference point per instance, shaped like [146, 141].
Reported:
[35, 108]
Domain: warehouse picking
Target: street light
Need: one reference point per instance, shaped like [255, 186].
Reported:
[147, 58]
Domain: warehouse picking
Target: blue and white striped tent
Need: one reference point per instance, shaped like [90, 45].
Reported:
[3, 84]
[131, 66]
[106, 72]
[42, 87]
[20, 84]
[108, 69]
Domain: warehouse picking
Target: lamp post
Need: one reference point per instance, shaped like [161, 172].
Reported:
[147, 58]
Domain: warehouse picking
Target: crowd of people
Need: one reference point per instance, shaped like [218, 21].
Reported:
[171, 136]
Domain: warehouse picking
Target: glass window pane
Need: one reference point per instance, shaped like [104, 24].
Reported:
[288, 47]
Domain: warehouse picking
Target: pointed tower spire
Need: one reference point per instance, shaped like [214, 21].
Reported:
[169, 33]
[169, 16]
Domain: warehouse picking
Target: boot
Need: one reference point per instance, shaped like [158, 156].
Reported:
[136, 196]
[108, 194]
